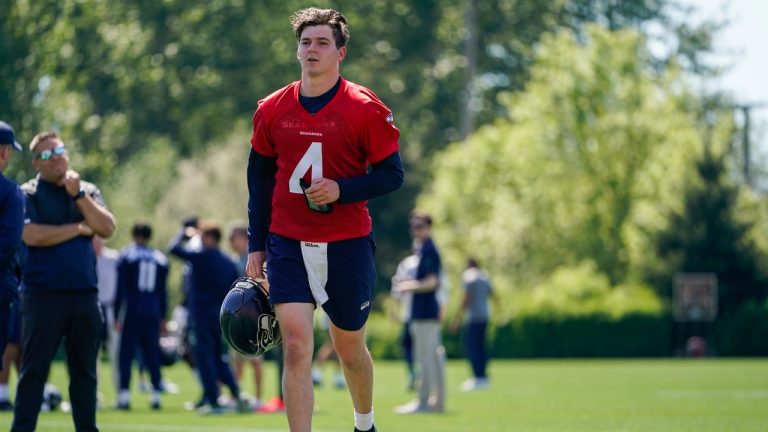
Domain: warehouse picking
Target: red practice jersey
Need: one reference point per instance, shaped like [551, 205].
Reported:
[355, 129]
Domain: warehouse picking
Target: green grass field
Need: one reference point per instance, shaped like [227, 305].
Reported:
[536, 395]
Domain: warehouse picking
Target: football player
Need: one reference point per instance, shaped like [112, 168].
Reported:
[141, 306]
[321, 147]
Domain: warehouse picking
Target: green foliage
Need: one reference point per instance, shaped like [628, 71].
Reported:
[713, 233]
[589, 335]
[583, 291]
[745, 333]
[590, 161]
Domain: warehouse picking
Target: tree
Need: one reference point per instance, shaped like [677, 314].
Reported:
[587, 164]
[711, 233]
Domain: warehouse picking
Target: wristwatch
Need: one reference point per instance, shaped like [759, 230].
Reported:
[79, 195]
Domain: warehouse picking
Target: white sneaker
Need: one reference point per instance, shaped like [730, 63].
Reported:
[413, 407]
[475, 384]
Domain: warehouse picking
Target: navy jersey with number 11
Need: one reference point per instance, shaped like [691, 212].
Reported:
[141, 283]
[354, 130]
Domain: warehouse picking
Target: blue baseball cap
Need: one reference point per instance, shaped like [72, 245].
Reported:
[7, 137]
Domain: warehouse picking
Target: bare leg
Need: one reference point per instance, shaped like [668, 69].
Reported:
[256, 365]
[237, 360]
[296, 327]
[357, 365]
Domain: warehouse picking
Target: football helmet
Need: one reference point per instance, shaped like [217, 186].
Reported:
[248, 321]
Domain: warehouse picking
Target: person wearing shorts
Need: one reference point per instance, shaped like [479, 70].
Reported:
[321, 147]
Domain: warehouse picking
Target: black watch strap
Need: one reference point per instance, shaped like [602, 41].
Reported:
[79, 195]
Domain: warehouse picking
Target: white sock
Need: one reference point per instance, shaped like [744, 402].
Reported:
[4, 396]
[364, 422]
[155, 398]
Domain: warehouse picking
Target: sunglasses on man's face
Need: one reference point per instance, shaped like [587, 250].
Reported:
[48, 154]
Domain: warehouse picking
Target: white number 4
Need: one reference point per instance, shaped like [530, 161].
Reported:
[312, 159]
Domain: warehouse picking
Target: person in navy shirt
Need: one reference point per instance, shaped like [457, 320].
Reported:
[141, 306]
[11, 225]
[60, 296]
[425, 319]
[212, 273]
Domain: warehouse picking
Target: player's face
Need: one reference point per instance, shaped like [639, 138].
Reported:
[419, 229]
[56, 162]
[317, 52]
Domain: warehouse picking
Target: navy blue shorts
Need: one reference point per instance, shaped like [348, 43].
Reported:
[338, 275]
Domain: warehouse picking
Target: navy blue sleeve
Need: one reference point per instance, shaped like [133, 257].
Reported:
[11, 224]
[177, 248]
[429, 261]
[384, 177]
[261, 185]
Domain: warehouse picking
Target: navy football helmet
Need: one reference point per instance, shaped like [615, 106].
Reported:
[248, 321]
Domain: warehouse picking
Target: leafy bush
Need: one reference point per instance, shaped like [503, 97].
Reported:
[745, 333]
[584, 291]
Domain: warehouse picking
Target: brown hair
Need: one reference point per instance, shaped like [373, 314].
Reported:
[42, 136]
[211, 229]
[314, 17]
[422, 216]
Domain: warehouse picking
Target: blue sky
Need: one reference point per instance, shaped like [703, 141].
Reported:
[745, 42]
[743, 47]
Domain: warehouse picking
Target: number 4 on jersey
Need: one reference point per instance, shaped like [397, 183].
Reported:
[312, 159]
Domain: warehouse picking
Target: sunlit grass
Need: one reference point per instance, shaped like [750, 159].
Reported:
[544, 395]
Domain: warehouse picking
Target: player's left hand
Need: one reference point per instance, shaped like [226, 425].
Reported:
[323, 191]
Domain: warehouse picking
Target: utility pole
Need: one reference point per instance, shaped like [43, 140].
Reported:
[746, 110]
[467, 120]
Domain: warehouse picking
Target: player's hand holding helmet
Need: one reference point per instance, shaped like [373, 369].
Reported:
[248, 321]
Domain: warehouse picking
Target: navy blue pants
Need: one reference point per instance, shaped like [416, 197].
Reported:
[144, 333]
[407, 344]
[211, 362]
[475, 347]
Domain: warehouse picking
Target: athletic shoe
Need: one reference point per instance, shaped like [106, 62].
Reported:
[193, 406]
[256, 404]
[155, 406]
[413, 407]
[169, 387]
[209, 409]
[125, 406]
[276, 404]
[475, 384]
[373, 429]
[6, 405]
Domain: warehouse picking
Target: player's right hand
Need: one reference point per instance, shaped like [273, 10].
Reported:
[254, 268]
